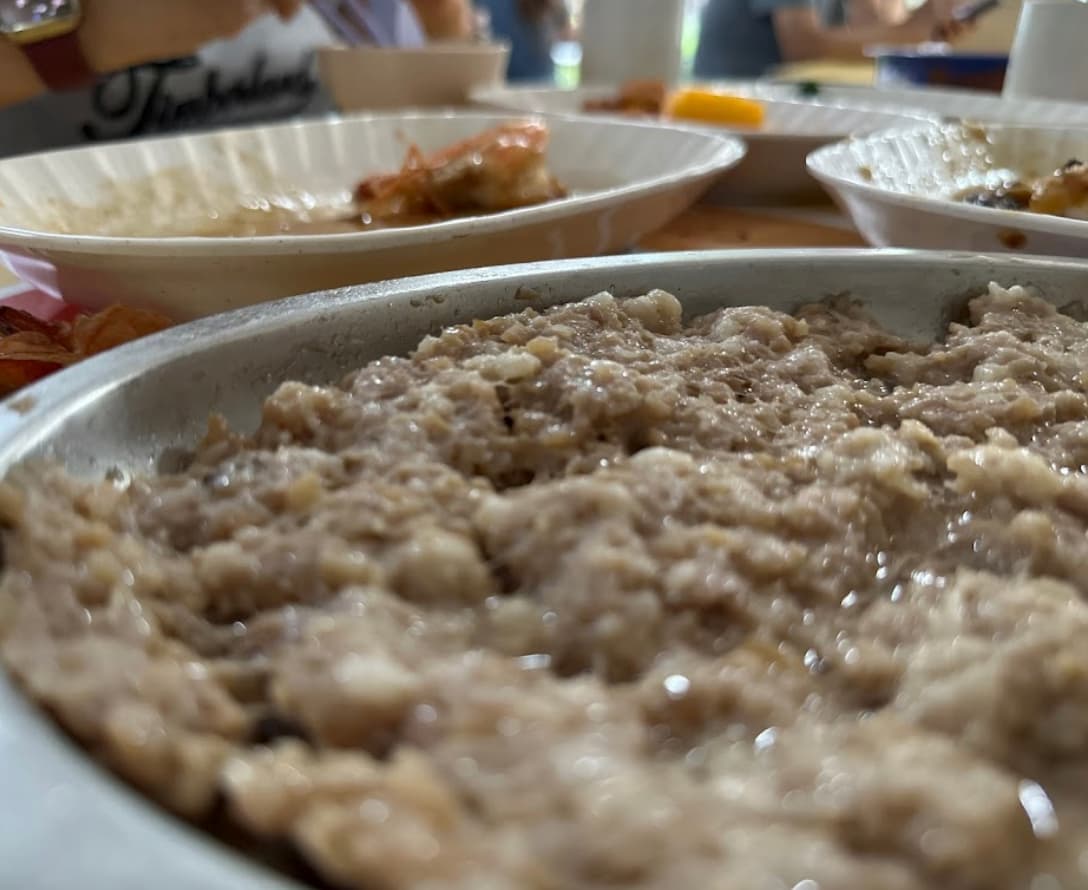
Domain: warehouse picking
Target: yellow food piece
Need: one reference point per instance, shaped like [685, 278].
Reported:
[715, 108]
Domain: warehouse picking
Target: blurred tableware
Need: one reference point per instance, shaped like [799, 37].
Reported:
[901, 189]
[773, 171]
[631, 39]
[368, 78]
[1049, 58]
[112, 223]
[937, 64]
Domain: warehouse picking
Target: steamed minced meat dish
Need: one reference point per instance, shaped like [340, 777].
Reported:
[597, 597]
[1061, 193]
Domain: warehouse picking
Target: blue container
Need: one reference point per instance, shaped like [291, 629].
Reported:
[938, 66]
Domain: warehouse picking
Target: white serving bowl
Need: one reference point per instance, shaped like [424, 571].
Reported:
[773, 171]
[107, 224]
[898, 187]
[370, 78]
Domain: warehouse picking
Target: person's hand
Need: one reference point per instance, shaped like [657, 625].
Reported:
[119, 33]
[955, 29]
[926, 23]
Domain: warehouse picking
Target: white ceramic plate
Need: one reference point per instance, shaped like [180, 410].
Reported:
[970, 105]
[964, 104]
[773, 171]
[106, 224]
[898, 187]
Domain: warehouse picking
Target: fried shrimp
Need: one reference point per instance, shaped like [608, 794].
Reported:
[500, 169]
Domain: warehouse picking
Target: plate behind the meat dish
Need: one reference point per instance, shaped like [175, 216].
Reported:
[971, 105]
[110, 223]
[65, 823]
[901, 188]
[773, 171]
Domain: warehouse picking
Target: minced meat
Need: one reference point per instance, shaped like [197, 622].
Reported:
[593, 598]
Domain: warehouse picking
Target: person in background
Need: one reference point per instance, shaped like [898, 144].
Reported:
[531, 27]
[749, 38]
[160, 66]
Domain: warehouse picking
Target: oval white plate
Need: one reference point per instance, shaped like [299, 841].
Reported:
[964, 104]
[773, 171]
[970, 105]
[68, 218]
[898, 187]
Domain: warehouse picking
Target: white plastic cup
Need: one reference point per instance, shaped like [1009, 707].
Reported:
[1049, 55]
[631, 40]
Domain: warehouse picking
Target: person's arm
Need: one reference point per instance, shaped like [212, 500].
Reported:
[117, 34]
[445, 19]
[18, 79]
[564, 25]
[802, 36]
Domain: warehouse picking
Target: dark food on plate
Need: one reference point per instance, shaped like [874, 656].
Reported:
[1062, 193]
[596, 598]
[31, 349]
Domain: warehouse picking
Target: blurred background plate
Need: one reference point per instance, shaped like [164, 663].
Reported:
[966, 104]
[971, 105]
